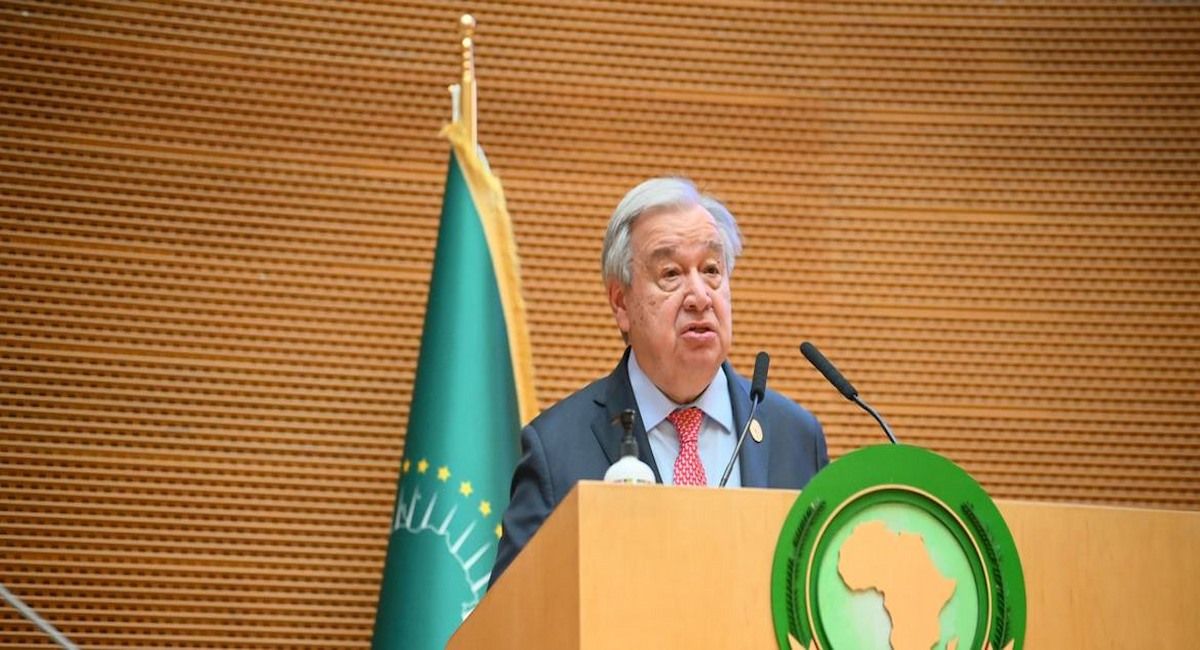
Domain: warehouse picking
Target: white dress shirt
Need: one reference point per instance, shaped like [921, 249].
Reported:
[717, 438]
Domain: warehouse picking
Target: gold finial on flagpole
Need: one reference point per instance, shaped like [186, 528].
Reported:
[467, 23]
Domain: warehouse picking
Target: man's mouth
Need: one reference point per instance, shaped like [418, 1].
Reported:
[697, 330]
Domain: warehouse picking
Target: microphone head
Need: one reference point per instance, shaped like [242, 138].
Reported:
[831, 373]
[758, 384]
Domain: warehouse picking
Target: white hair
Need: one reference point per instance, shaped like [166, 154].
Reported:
[657, 194]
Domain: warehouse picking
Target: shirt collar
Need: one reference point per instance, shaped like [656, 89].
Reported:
[654, 406]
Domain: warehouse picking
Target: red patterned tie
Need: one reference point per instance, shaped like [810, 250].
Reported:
[688, 468]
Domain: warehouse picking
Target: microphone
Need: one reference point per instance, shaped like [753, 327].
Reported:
[843, 385]
[628, 468]
[758, 389]
[758, 383]
[42, 624]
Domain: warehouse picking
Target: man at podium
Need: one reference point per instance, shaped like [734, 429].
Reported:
[667, 259]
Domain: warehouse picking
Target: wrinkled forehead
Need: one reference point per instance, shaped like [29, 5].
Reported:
[671, 250]
[690, 221]
[668, 232]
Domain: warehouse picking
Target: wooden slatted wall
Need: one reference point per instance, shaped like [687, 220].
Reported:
[218, 221]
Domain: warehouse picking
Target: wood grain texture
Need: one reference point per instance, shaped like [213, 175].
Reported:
[1095, 576]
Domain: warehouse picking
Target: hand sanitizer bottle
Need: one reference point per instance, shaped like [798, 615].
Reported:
[629, 469]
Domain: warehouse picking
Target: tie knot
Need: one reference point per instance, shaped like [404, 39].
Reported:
[687, 423]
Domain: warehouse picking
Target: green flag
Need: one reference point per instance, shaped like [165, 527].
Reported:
[473, 390]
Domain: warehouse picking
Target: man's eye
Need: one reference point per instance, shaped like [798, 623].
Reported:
[670, 274]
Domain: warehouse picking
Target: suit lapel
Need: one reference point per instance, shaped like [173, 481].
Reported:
[753, 456]
[618, 397]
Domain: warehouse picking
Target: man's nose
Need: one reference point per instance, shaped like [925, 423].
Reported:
[697, 297]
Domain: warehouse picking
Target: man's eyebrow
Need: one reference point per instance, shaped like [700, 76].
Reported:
[662, 252]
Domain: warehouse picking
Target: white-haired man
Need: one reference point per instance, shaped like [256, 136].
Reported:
[667, 259]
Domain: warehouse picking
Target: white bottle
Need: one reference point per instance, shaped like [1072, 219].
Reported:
[629, 469]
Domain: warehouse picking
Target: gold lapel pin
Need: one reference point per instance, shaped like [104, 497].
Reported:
[756, 430]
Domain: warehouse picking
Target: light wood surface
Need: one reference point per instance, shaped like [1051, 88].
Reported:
[1099, 577]
[662, 567]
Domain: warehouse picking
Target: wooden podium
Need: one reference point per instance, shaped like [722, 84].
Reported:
[674, 567]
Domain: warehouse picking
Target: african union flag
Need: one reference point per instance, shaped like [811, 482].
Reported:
[473, 390]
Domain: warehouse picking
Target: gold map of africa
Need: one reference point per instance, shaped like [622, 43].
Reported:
[899, 567]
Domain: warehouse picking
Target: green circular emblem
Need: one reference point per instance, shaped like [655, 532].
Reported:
[896, 547]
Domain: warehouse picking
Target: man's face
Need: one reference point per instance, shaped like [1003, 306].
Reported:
[676, 309]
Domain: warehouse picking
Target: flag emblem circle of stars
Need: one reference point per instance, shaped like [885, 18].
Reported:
[465, 488]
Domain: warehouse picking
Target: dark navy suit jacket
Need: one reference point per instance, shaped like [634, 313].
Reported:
[576, 440]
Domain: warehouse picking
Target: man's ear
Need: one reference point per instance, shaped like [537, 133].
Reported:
[616, 300]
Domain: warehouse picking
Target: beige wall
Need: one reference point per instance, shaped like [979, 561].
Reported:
[218, 221]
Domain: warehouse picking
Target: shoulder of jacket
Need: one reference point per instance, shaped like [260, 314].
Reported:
[570, 409]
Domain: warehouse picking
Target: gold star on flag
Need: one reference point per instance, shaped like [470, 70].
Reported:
[499, 530]
[404, 466]
[485, 508]
[465, 488]
[443, 473]
[422, 465]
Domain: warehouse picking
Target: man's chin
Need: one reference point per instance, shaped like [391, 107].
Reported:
[704, 359]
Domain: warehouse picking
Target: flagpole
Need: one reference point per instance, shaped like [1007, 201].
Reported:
[488, 196]
[455, 102]
[467, 23]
